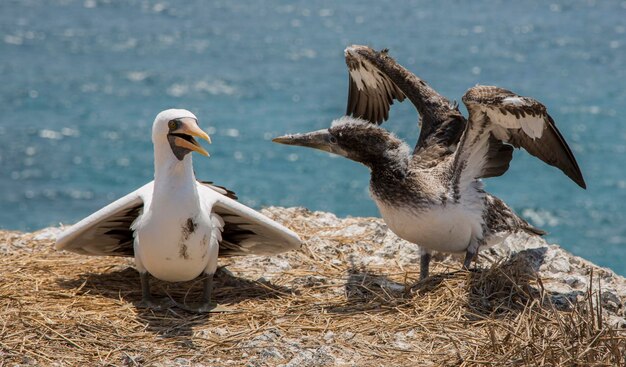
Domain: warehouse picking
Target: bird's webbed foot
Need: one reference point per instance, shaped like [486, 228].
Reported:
[147, 301]
[206, 305]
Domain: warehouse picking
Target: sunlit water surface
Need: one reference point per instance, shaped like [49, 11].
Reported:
[81, 82]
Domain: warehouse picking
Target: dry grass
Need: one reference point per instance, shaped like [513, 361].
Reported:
[74, 310]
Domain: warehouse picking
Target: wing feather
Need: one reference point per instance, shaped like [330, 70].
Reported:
[498, 116]
[220, 189]
[106, 232]
[248, 232]
[371, 93]
[376, 80]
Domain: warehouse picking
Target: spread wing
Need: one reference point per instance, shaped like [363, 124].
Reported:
[106, 232]
[376, 80]
[498, 116]
[248, 232]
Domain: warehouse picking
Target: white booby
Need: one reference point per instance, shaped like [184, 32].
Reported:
[175, 226]
[433, 196]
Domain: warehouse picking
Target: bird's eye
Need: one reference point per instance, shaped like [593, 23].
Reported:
[172, 124]
[333, 140]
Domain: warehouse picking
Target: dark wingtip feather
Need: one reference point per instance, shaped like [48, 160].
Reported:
[573, 170]
[229, 193]
[580, 181]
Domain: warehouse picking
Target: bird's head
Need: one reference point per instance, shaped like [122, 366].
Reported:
[355, 139]
[177, 128]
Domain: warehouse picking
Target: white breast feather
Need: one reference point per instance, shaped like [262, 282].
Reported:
[447, 229]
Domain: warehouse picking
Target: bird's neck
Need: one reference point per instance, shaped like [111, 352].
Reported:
[174, 179]
[391, 164]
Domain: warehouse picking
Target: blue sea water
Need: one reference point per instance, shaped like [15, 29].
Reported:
[81, 82]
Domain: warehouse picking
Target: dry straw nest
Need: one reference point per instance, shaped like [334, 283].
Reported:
[312, 307]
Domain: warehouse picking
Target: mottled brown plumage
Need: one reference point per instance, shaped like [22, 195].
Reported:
[434, 196]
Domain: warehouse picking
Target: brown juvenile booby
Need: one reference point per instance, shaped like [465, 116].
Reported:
[433, 196]
[175, 226]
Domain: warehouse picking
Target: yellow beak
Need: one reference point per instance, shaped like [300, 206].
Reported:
[190, 127]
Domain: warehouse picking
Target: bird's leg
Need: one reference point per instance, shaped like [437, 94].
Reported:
[469, 256]
[424, 264]
[146, 296]
[205, 305]
[207, 290]
[471, 252]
